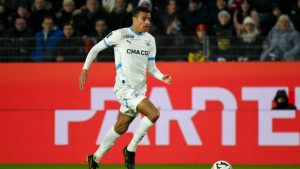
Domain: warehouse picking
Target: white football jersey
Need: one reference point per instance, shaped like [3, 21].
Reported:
[132, 53]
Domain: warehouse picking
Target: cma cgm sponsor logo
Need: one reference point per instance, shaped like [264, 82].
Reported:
[137, 52]
[200, 95]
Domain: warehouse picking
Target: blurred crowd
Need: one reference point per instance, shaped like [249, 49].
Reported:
[197, 30]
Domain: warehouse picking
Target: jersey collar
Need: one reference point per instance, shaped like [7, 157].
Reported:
[136, 33]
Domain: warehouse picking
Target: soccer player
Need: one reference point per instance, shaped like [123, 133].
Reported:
[134, 51]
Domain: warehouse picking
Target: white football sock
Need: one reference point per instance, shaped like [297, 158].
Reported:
[108, 141]
[139, 134]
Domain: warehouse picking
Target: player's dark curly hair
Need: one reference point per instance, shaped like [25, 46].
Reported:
[137, 10]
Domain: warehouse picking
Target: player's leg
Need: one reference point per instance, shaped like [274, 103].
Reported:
[151, 114]
[120, 127]
[147, 108]
[123, 122]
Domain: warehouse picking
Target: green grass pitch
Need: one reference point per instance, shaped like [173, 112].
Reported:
[57, 166]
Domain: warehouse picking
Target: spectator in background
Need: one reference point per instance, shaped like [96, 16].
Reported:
[287, 6]
[156, 4]
[65, 15]
[283, 42]
[108, 5]
[282, 101]
[199, 52]
[222, 38]
[175, 30]
[264, 8]
[13, 4]
[172, 44]
[195, 14]
[245, 10]
[46, 41]
[40, 9]
[174, 41]
[274, 15]
[101, 30]
[119, 17]
[250, 43]
[86, 16]
[276, 12]
[8, 10]
[4, 12]
[69, 47]
[24, 12]
[145, 4]
[233, 4]
[169, 15]
[20, 44]
[295, 15]
[213, 20]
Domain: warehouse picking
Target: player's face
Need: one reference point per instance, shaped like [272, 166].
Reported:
[142, 21]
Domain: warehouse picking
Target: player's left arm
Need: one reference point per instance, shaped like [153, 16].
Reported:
[153, 70]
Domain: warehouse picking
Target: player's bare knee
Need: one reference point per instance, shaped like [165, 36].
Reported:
[121, 129]
[153, 117]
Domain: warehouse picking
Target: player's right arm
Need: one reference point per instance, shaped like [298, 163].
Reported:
[153, 70]
[111, 39]
[88, 61]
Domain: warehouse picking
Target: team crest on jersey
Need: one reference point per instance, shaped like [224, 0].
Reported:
[148, 44]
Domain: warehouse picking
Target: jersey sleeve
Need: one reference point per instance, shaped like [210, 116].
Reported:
[93, 54]
[152, 69]
[113, 38]
[152, 53]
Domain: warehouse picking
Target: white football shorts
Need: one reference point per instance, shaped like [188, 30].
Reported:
[129, 99]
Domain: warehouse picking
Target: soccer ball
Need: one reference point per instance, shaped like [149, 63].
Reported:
[221, 165]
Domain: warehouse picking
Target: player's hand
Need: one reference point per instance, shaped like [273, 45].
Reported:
[82, 79]
[167, 79]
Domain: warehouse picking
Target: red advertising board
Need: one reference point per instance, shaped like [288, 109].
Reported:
[212, 111]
